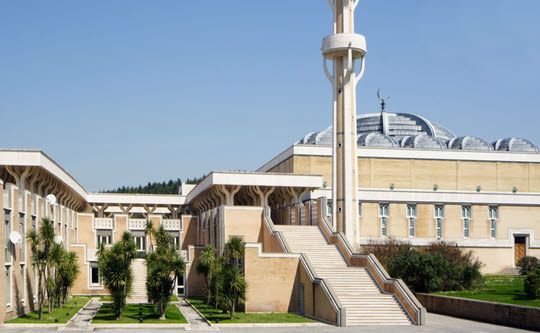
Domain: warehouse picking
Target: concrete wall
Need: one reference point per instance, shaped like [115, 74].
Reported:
[489, 312]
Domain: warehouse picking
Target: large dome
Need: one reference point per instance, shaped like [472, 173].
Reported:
[405, 130]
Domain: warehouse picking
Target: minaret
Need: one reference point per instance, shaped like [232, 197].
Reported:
[346, 50]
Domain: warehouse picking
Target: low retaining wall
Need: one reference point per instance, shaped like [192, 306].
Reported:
[490, 312]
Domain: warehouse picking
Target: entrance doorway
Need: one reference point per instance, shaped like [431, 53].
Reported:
[180, 287]
[520, 247]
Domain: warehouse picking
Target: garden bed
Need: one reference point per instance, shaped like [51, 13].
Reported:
[59, 315]
[497, 288]
[130, 315]
[216, 316]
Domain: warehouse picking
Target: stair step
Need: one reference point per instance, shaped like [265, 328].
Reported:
[364, 302]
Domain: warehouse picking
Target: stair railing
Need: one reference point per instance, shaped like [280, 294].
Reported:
[308, 267]
[397, 287]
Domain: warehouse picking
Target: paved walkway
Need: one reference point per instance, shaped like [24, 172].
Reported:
[83, 318]
[194, 319]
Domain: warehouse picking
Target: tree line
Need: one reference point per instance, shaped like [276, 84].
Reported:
[165, 187]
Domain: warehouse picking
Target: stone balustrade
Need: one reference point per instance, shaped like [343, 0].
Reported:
[171, 224]
[103, 223]
[137, 224]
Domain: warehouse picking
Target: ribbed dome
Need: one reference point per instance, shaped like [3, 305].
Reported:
[405, 130]
[423, 141]
[515, 144]
[469, 143]
[400, 125]
[375, 139]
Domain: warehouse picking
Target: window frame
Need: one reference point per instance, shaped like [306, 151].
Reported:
[466, 217]
[493, 217]
[412, 213]
[384, 210]
[438, 214]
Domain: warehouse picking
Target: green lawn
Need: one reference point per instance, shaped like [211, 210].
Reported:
[58, 316]
[217, 316]
[498, 288]
[131, 315]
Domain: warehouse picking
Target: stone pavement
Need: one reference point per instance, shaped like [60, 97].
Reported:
[82, 319]
[194, 319]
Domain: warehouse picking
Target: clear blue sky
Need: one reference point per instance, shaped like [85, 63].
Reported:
[124, 92]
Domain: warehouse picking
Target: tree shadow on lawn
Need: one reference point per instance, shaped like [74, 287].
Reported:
[132, 313]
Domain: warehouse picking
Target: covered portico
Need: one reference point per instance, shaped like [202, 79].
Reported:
[228, 203]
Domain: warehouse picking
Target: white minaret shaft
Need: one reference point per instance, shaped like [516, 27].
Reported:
[345, 50]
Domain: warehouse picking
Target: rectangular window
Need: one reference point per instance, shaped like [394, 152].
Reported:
[176, 238]
[493, 217]
[23, 275]
[104, 237]
[34, 225]
[411, 218]
[359, 209]
[8, 285]
[439, 216]
[22, 231]
[466, 217]
[140, 242]
[383, 215]
[7, 231]
[94, 274]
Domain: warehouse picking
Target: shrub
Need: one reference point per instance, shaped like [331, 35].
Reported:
[466, 269]
[531, 285]
[386, 250]
[439, 267]
[527, 264]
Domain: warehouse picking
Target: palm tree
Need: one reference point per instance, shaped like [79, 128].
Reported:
[234, 250]
[41, 242]
[234, 288]
[204, 266]
[148, 231]
[115, 269]
[165, 265]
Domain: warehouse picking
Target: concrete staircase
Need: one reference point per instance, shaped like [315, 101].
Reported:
[138, 293]
[356, 290]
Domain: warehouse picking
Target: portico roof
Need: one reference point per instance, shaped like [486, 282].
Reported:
[222, 187]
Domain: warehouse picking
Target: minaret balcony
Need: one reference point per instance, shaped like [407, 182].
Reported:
[338, 45]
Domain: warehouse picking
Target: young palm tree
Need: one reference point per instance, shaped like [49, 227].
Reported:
[215, 279]
[66, 273]
[41, 242]
[234, 288]
[204, 266]
[148, 231]
[234, 250]
[115, 269]
[164, 265]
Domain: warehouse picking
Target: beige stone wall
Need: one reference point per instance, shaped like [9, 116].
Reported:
[272, 282]
[245, 222]
[86, 230]
[195, 282]
[316, 303]
[424, 174]
[496, 259]
[188, 236]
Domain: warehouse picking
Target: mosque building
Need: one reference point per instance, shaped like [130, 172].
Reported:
[304, 215]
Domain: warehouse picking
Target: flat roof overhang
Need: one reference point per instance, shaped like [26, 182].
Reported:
[253, 182]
